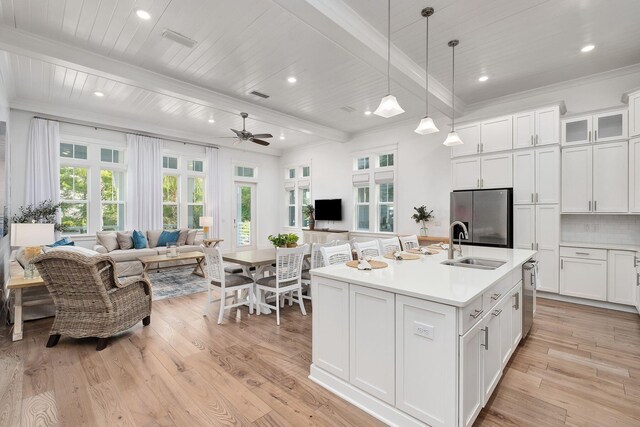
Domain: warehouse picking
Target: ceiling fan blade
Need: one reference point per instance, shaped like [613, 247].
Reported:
[261, 142]
[224, 137]
[237, 132]
[262, 135]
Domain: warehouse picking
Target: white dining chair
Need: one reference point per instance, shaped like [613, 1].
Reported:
[367, 249]
[317, 261]
[336, 254]
[391, 244]
[288, 278]
[224, 283]
[409, 242]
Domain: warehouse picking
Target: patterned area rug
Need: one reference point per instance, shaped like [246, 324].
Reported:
[176, 283]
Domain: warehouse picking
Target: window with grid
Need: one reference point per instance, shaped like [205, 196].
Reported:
[246, 172]
[291, 208]
[112, 184]
[385, 207]
[170, 201]
[73, 151]
[195, 166]
[74, 198]
[291, 173]
[110, 155]
[195, 201]
[362, 208]
[305, 199]
[362, 163]
[306, 171]
[385, 160]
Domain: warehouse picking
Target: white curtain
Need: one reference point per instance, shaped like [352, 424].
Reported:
[212, 196]
[43, 162]
[144, 183]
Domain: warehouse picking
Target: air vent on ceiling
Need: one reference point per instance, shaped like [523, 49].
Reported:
[260, 94]
[348, 109]
[179, 38]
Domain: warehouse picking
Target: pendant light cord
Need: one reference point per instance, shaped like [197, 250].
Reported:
[453, 87]
[426, 54]
[389, 47]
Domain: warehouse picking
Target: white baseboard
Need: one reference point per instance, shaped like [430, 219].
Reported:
[583, 301]
[369, 404]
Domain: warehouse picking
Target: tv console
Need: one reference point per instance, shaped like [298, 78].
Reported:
[320, 235]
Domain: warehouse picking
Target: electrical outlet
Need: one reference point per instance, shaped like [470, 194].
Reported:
[423, 330]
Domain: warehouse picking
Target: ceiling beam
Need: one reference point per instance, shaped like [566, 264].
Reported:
[340, 24]
[27, 44]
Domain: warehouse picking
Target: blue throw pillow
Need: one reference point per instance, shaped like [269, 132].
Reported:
[139, 241]
[168, 237]
[62, 242]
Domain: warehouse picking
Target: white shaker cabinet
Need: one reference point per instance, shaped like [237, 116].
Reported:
[583, 278]
[547, 126]
[524, 177]
[524, 129]
[372, 327]
[496, 134]
[465, 173]
[470, 135]
[577, 130]
[331, 326]
[491, 360]
[622, 276]
[536, 176]
[577, 183]
[506, 323]
[548, 245]
[610, 126]
[470, 376]
[634, 174]
[496, 171]
[425, 355]
[634, 114]
[610, 178]
[524, 226]
[516, 316]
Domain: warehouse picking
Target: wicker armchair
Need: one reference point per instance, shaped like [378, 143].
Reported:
[90, 300]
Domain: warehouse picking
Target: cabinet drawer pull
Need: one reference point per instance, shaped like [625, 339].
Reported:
[531, 197]
[478, 183]
[589, 136]
[595, 135]
[517, 304]
[583, 253]
[495, 296]
[595, 206]
[638, 279]
[537, 140]
[589, 205]
[477, 148]
[486, 338]
[531, 139]
[537, 200]
[497, 312]
[561, 264]
[476, 313]
[481, 182]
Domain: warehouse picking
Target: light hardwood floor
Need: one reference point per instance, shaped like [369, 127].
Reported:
[579, 366]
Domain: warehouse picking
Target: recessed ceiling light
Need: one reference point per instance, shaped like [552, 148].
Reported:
[292, 79]
[143, 14]
[98, 94]
[483, 78]
[367, 113]
[587, 48]
[282, 137]
[211, 120]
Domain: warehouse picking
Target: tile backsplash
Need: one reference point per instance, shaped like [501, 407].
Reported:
[622, 229]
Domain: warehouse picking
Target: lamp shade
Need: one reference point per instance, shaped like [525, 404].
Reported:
[388, 107]
[453, 139]
[426, 126]
[32, 234]
[206, 221]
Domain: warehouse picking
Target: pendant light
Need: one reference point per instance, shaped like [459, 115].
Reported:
[426, 125]
[389, 106]
[453, 138]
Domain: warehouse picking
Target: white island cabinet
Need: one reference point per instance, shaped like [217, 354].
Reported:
[417, 343]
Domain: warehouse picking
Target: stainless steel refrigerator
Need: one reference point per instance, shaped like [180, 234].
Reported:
[487, 214]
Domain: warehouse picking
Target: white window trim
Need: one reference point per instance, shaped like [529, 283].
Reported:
[236, 178]
[297, 184]
[367, 178]
[183, 173]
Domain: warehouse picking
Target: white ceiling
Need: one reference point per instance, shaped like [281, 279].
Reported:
[247, 45]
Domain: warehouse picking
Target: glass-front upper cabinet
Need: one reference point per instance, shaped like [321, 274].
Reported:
[601, 127]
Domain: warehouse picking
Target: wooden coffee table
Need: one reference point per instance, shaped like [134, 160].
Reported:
[196, 256]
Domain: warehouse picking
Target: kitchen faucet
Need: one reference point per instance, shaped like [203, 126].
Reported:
[451, 238]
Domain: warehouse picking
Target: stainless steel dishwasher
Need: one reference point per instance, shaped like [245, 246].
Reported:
[529, 272]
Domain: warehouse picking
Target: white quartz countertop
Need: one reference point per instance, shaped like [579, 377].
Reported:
[612, 246]
[428, 279]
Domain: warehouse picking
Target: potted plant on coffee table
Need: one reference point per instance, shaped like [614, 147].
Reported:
[422, 216]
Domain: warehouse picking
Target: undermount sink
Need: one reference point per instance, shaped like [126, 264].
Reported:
[479, 263]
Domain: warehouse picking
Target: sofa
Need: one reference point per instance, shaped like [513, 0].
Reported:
[119, 246]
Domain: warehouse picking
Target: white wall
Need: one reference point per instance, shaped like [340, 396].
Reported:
[267, 175]
[4, 116]
[422, 166]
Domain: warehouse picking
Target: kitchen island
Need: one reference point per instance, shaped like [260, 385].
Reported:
[419, 342]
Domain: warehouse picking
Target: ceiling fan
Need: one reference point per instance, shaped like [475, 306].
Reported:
[245, 135]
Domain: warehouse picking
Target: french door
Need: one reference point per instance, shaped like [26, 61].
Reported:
[244, 217]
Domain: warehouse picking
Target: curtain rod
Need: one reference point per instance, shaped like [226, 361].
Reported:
[123, 130]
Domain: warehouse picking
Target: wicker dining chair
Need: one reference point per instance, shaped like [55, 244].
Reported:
[90, 301]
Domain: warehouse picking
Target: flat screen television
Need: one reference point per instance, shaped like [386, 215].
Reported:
[328, 210]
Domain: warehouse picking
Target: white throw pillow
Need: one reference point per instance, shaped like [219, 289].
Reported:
[108, 239]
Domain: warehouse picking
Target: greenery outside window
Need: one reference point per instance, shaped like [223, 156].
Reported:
[112, 199]
[385, 207]
[74, 186]
[305, 199]
[385, 160]
[170, 201]
[195, 201]
[291, 208]
[362, 208]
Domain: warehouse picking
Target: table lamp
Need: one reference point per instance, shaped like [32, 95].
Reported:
[32, 236]
[205, 222]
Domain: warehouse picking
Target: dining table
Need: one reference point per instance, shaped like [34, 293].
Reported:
[255, 262]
